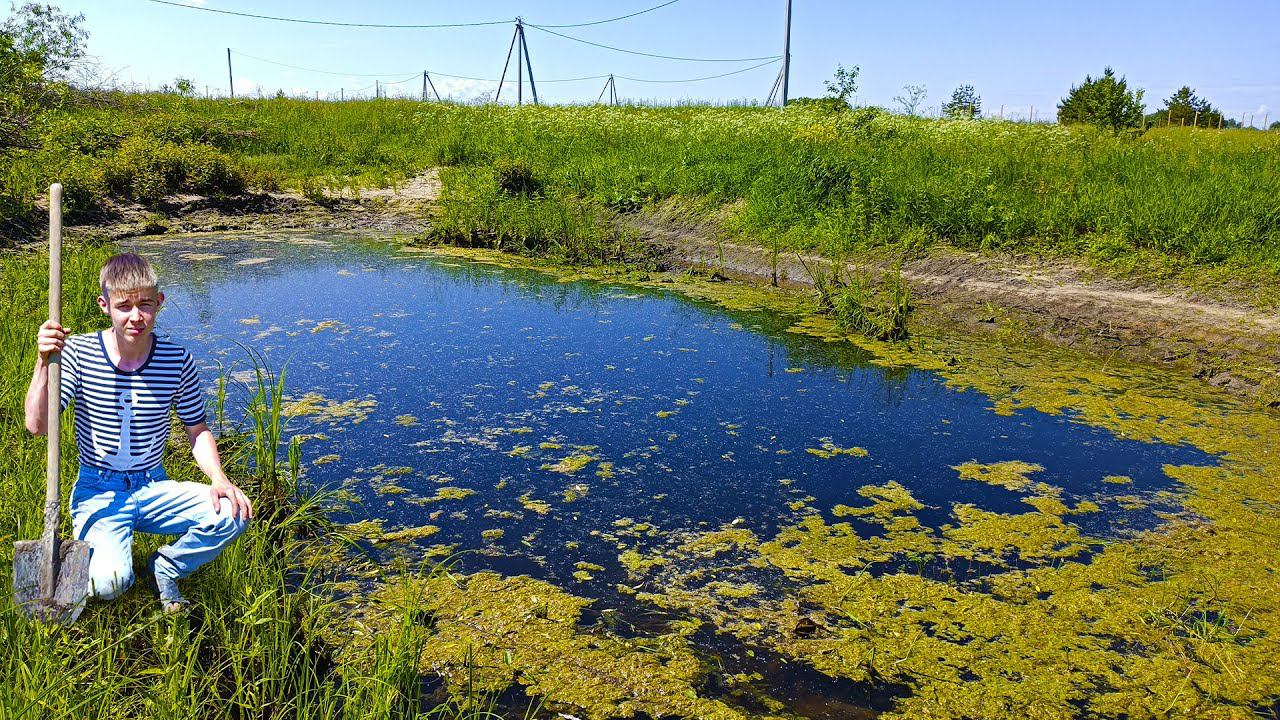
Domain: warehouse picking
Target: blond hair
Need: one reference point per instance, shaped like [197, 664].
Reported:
[127, 272]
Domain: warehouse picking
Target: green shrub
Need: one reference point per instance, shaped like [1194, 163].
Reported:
[154, 224]
[147, 171]
[515, 177]
[83, 184]
[825, 104]
[313, 189]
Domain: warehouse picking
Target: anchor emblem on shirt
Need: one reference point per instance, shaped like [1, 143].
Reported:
[122, 458]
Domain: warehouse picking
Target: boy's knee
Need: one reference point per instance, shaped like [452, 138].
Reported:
[110, 578]
[228, 525]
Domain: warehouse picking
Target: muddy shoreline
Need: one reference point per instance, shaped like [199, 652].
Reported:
[1227, 345]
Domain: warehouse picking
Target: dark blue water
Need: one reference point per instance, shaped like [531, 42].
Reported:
[705, 415]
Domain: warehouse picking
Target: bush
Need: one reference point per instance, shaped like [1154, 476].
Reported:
[827, 104]
[83, 184]
[147, 171]
[515, 177]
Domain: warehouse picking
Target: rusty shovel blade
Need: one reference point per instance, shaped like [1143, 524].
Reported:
[63, 603]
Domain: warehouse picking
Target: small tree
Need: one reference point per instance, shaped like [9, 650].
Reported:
[844, 84]
[964, 104]
[1184, 107]
[45, 32]
[39, 45]
[1105, 102]
[911, 98]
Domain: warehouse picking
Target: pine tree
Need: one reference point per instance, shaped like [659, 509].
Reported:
[1105, 102]
[1184, 107]
[964, 104]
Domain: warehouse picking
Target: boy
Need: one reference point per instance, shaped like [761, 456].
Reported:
[123, 381]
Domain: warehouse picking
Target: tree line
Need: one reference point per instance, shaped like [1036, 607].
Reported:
[1105, 101]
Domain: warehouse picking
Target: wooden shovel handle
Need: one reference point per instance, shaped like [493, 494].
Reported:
[53, 426]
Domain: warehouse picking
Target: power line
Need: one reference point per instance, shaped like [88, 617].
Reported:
[615, 19]
[419, 26]
[700, 79]
[306, 21]
[646, 54]
[397, 74]
[418, 73]
[315, 70]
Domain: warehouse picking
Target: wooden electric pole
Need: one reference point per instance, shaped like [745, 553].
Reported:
[231, 83]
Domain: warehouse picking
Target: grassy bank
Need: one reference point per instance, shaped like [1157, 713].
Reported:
[259, 641]
[803, 178]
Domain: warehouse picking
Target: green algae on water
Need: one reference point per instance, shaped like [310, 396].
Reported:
[1011, 474]
[540, 507]
[570, 464]
[407, 534]
[321, 409]
[1179, 621]
[491, 633]
[450, 493]
[829, 450]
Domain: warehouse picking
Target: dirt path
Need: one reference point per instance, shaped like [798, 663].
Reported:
[1230, 346]
[400, 210]
[420, 189]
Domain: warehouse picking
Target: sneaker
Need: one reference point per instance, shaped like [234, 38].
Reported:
[171, 599]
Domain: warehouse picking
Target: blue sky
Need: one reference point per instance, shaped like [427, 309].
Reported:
[1017, 55]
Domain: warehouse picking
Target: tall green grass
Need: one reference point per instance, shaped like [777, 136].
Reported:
[259, 640]
[803, 178]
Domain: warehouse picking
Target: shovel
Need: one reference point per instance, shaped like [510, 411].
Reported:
[51, 578]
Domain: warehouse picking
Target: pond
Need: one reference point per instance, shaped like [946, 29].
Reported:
[542, 427]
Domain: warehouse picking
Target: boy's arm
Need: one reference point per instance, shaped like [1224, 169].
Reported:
[204, 448]
[52, 338]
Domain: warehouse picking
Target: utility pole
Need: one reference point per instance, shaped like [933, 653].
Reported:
[505, 64]
[521, 49]
[610, 86]
[533, 87]
[231, 83]
[428, 82]
[786, 55]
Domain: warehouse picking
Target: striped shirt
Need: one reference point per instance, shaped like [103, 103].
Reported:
[122, 418]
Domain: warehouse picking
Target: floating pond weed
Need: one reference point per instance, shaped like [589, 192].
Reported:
[1011, 475]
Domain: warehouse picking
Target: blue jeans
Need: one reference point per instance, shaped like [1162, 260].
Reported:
[107, 506]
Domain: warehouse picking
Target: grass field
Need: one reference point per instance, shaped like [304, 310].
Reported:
[839, 183]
